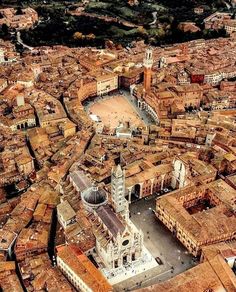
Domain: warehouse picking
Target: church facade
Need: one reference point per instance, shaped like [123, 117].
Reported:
[118, 242]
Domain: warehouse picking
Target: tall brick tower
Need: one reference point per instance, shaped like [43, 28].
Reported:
[148, 62]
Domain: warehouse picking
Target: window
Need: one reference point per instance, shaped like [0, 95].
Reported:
[133, 257]
[124, 259]
[125, 242]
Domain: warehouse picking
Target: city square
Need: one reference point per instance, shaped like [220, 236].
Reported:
[115, 110]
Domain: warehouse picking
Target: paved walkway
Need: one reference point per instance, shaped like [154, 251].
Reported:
[111, 110]
[160, 243]
[145, 117]
[19, 40]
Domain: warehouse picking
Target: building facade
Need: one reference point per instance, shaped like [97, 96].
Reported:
[118, 242]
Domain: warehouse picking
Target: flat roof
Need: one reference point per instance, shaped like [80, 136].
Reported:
[66, 211]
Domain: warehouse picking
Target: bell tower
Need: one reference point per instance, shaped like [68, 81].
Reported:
[119, 203]
[148, 63]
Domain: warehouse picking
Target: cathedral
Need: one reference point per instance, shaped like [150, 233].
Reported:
[118, 242]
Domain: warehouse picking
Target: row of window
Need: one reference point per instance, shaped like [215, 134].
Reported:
[76, 281]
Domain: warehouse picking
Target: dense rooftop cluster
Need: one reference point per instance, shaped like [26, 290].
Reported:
[18, 19]
[66, 181]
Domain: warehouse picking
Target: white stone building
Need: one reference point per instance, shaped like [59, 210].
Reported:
[118, 242]
[180, 174]
[65, 213]
[106, 83]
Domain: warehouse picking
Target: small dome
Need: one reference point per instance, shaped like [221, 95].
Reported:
[95, 196]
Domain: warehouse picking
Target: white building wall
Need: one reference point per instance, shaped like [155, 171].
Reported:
[74, 279]
[107, 85]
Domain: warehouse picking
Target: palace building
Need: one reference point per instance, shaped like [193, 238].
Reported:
[199, 215]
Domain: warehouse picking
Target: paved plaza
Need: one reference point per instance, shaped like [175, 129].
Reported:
[160, 243]
[113, 110]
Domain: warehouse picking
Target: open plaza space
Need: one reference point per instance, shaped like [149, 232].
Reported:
[161, 243]
[113, 110]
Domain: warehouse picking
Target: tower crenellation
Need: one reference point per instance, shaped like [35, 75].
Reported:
[148, 63]
[148, 59]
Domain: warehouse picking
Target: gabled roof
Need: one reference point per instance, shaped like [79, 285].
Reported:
[110, 219]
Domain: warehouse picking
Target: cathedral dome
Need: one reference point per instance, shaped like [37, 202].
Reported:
[94, 197]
